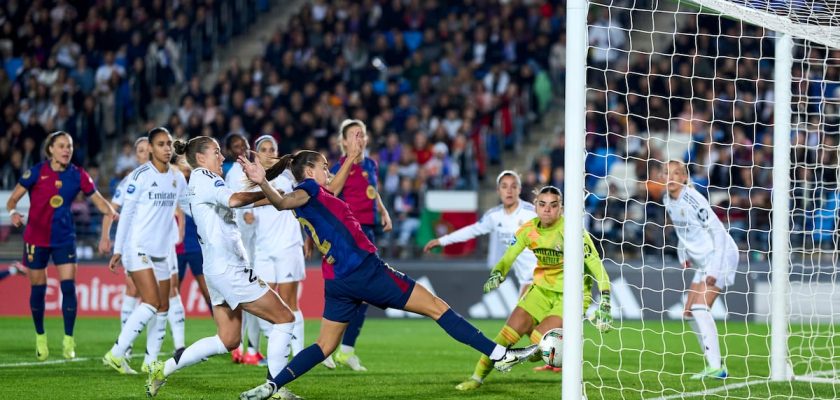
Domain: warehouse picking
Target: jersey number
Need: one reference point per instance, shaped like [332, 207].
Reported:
[251, 276]
[323, 246]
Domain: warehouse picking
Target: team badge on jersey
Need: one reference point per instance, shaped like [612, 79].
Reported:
[130, 189]
[219, 183]
[58, 184]
[56, 201]
[26, 174]
[371, 192]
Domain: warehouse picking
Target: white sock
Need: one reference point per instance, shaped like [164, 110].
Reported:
[278, 344]
[346, 349]
[265, 327]
[498, 353]
[154, 336]
[198, 351]
[252, 325]
[694, 327]
[297, 333]
[176, 320]
[133, 326]
[244, 331]
[128, 304]
[709, 335]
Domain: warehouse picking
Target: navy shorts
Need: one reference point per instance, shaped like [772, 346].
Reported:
[370, 232]
[195, 261]
[374, 282]
[37, 257]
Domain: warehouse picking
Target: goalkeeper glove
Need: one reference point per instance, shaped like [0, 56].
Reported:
[493, 281]
[602, 319]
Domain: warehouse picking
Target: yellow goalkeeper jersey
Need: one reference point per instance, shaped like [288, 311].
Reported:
[547, 245]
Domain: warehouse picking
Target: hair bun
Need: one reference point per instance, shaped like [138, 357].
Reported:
[180, 147]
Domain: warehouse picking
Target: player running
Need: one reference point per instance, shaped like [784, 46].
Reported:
[361, 193]
[541, 308]
[145, 239]
[279, 260]
[353, 273]
[501, 222]
[189, 250]
[233, 285]
[50, 232]
[705, 244]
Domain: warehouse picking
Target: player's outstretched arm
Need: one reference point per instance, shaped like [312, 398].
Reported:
[354, 152]
[256, 173]
[500, 271]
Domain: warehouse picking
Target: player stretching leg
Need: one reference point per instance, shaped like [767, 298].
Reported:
[361, 193]
[130, 295]
[704, 244]
[144, 238]
[50, 232]
[541, 309]
[233, 285]
[280, 261]
[353, 273]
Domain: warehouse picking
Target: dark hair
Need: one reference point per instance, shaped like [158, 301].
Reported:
[155, 131]
[296, 162]
[51, 139]
[230, 136]
[196, 145]
[551, 190]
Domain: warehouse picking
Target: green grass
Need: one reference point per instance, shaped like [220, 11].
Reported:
[406, 359]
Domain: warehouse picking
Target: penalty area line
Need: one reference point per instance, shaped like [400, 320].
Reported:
[51, 362]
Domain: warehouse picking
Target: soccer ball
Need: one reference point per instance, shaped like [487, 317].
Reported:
[551, 347]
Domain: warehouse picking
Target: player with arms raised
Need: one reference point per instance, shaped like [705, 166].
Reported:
[353, 273]
[706, 245]
[51, 233]
[541, 308]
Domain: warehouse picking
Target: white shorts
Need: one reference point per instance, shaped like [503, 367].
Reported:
[137, 261]
[284, 266]
[173, 262]
[721, 265]
[235, 286]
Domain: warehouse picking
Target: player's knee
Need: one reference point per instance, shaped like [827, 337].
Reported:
[327, 345]
[231, 340]
[282, 315]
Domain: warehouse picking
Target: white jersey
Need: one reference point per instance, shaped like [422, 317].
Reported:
[221, 244]
[119, 192]
[277, 230]
[235, 180]
[502, 227]
[700, 232]
[148, 212]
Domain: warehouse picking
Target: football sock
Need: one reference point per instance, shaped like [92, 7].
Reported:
[135, 324]
[297, 333]
[252, 327]
[536, 336]
[195, 353]
[707, 326]
[506, 337]
[461, 330]
[278, 347]
[68, 305]
[128, 304]
[37, 300]
[354, 327]
[176, 320]
[155, 335]
[302, 362]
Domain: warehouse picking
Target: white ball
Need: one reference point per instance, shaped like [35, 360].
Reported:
[551, 347]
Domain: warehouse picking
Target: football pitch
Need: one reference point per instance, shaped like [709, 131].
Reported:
[407, 359]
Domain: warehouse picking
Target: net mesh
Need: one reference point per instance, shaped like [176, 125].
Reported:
[681, 81]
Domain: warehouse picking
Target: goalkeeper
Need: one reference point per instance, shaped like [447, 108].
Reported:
[541, 308]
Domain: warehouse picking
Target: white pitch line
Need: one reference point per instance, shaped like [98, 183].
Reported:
[36, 363]
[711, 391]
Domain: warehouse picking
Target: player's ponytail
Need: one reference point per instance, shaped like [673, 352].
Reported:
[196, 145]
[281, 165]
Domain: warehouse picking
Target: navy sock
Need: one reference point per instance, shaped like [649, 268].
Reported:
[4, 274]
[300, 364]
[461, 330]
[68, 305]
[354, 327]
[37, 298]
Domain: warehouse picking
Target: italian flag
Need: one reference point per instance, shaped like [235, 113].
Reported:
[445, 211]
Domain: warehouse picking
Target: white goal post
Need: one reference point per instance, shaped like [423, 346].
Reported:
[792, 77]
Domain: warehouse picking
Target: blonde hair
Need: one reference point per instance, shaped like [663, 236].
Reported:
[342, 132]
[684, 168]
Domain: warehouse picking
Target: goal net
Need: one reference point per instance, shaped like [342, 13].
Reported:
[696, 82]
